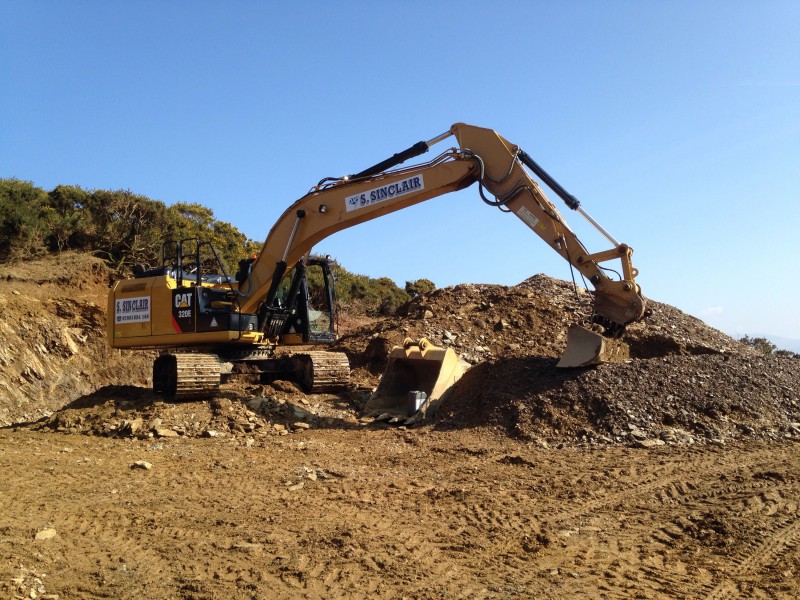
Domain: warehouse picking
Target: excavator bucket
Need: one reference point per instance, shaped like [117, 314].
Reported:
[418, 373]
[585, 348]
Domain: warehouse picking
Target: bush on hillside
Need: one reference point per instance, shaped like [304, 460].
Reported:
[367, 295]
[119, 226]
[764, 346]
[124, 229]
[419, 287]
[24, 219]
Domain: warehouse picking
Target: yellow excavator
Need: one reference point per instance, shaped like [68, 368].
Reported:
[208, 325]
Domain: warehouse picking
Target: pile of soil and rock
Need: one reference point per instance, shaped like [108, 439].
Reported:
[485, 322]
[685, 382]
[676, 399]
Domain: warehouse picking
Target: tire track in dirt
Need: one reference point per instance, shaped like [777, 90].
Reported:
[504, 520]
[717, 510]
[672, 540]
[475, 519]
[106, 516]
[692, 484]
[765, 554]
[92, 537]
[778, 536]
[412, 530]
[395, 545]
[692, 476]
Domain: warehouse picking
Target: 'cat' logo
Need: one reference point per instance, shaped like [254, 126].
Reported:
[183, 300]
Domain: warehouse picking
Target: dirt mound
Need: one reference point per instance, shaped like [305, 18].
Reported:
[673, 399]
[686, 382]
[482, 322]
[52, 336]
[479, 321]
[669, 331]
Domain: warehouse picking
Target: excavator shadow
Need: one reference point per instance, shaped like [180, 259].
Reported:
[319, 411]
[129, 396]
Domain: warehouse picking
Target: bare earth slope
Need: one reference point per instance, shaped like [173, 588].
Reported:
[52, 336]
[675, 474]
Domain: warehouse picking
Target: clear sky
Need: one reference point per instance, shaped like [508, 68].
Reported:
[677, 124]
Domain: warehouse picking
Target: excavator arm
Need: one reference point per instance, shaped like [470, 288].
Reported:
[483, 157]
[348, 202]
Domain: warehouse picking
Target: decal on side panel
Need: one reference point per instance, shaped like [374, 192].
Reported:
[132, 310]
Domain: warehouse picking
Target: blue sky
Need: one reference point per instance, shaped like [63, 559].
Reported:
[677, 124]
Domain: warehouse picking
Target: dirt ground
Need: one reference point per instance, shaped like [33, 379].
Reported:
[675, 473]
[378, 512]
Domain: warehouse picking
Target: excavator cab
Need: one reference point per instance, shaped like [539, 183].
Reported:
[302, 309]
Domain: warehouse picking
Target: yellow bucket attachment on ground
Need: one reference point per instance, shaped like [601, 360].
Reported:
[585, 348]
[414, 369]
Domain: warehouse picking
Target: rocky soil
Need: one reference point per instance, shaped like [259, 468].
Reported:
[673, 473]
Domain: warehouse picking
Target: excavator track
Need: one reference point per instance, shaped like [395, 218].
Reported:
[186, 375]
[322, 371]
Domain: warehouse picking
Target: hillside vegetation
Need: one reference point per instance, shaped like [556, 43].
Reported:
[124, 228]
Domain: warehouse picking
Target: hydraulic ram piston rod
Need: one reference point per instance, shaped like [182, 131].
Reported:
[570, 200]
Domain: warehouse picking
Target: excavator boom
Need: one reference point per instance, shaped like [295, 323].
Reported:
[484, 157]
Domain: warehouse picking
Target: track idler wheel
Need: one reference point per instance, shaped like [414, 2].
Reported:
[321, 371]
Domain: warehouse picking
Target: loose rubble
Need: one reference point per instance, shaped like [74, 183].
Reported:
[672, 399]
[136, 412]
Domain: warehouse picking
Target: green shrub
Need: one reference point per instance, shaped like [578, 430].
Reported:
[368, 295]
[760, 344]
[119, 226]
[419, 287]
[24, 219]
[124, 229]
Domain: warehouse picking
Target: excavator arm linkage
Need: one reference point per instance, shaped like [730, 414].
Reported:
[483, 157]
